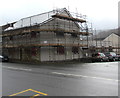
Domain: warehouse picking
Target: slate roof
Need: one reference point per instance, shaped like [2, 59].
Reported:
[102, 35]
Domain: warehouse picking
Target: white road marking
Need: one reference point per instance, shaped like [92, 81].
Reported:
[84, 76]
[15, 68]
[74, 75]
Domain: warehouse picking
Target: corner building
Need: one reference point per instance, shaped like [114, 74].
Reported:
[50, 36]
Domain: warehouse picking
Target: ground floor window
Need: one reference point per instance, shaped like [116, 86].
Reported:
[34, 51]
[60, 50]
[110, 49]
[75, 50]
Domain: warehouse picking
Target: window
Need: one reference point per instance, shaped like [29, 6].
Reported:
[102, 55]
[74, 35]
[75, 50]
[60, 34]
[110, 49]
[33, 34]
[11, 38]
[60, 50]
[34, 51]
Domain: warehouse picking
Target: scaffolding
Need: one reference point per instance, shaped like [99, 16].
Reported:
[59, 31]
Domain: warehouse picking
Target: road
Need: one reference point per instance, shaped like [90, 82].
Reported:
[70, 79]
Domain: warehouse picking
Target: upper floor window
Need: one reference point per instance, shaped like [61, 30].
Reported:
[74, 35]
[60, 34]
[11, 38]
[33, 34]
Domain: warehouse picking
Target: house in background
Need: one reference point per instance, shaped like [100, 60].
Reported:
[50, 36]
[107, 41]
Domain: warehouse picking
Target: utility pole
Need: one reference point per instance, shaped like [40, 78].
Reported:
[92, 34]
[96, 37]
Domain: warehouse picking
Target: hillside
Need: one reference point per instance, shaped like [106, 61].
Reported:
[104, 34]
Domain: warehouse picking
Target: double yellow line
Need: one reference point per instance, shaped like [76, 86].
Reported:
[38, 93]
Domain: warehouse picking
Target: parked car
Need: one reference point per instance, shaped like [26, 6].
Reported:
[111, 55]
[118, 57]
[99, 57]
[4, 58]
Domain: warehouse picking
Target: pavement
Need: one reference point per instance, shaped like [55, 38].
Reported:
[60, 79]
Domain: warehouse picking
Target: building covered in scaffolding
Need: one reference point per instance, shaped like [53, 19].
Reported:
[50, 36]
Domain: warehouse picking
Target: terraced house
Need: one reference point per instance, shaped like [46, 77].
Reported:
[52, 36]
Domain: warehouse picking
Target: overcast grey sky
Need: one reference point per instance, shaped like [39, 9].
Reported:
[103, 14]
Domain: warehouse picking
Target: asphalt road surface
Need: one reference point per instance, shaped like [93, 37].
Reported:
[70, 79]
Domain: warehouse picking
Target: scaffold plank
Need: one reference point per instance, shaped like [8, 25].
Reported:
[43, 45]
[68, 18]
[44, 30]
